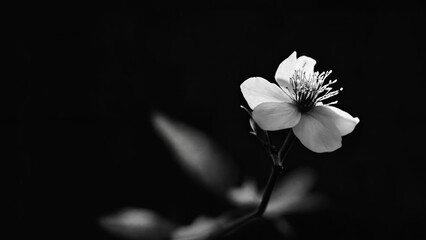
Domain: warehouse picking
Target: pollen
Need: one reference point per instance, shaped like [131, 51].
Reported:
[310, 90]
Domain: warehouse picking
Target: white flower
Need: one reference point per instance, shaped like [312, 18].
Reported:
[296, 102]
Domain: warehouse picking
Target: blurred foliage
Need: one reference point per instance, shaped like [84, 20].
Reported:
[206, 163]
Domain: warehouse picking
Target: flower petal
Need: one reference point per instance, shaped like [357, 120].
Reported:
[343, 120]
[317, 132]
[306, 64]
[276, 116]
[257, 90]
[286, 70]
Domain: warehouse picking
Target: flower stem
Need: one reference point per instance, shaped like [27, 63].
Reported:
[285, 148]
[276, 170]
[258, 212]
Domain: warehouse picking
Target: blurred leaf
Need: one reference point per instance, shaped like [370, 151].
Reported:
[138, 224]
[291, 194]
[245, 195]
[197, 154]
[201, 228]
[284, 227]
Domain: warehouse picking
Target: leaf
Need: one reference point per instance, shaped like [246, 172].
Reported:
[292, 194]
[197, 154]
[201, 228]
[138, 224]
[284, 228]
[245, 195]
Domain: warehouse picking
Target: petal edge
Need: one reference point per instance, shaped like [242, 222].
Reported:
[343, 120]
[286, 70]
[276, 116]
[257, 90]
[306, 64]
[317, 133]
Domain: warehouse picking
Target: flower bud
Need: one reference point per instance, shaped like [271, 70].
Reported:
[261, 134]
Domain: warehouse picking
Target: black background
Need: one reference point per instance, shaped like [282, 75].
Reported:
[88, 77]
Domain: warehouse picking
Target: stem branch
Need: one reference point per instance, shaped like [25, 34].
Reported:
[258, 212]
[276, 170]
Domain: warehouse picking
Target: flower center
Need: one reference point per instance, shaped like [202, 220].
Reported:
[310, 90]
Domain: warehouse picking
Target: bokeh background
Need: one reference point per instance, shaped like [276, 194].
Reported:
[87, 79]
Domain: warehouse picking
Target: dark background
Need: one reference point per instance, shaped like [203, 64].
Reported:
[87, 78]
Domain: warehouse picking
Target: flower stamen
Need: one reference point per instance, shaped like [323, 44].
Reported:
[310, 90]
